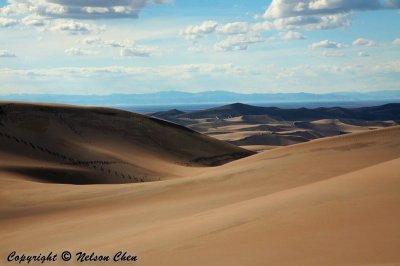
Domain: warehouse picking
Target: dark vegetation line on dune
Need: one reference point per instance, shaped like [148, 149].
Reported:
[220, 159]
[211, 161]
[94, 165]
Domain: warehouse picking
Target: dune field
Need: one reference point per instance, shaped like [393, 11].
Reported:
[264, 128]
[102, 180]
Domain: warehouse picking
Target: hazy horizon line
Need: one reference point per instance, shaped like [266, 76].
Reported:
[204, 92]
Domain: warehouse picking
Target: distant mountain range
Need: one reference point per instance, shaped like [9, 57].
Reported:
[209, 97]
[375, 113]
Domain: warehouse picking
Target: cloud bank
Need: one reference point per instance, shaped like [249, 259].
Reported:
[78, 9]
[290, 8]
[320, 14]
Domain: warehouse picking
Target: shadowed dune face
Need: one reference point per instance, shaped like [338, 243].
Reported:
[54, 175]
[112, 145]
[332, 201]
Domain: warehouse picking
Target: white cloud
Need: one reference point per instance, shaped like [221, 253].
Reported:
[363, 42]
[196, 31]
[308, 23]
[387, 67]
[162, 71]
[313, 22]
[290, 8]
[7, 22]
[263, 26]
[234, 28]
[333, 54]
[74, 27]
[79, 52]
[95, 40]
[240, 35]
[98, 10]
[396, 41]
[238, 42]
[327, 45]
[7, 53]
[84, 9]
[112, 79]
[92, 40]
[128, 48]
[319, 14]
[34, 20]
[362, 54]
[350, 70]
[117, 44]
[136, 51]
[210, 69]
[290, 25]
[291, 35]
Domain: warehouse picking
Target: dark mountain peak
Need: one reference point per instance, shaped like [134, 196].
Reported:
[227, 111]
[239, 105]
[389, 106]
[233, 106]
[174, 111]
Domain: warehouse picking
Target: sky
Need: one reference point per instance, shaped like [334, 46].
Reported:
[248, 46]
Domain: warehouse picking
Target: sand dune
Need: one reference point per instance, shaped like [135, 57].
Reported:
[247, 125]
[332, 201]
[331, 127]
[98, 145]
[269, 139]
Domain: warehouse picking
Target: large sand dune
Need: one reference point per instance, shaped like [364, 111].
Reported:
[332, 201]
[66, 144]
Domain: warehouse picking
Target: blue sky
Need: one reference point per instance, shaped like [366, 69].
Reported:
[137, 46]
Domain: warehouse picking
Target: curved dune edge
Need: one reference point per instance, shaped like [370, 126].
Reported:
[332, 201]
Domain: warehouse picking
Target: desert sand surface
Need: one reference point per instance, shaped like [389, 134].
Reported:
[330, 201]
